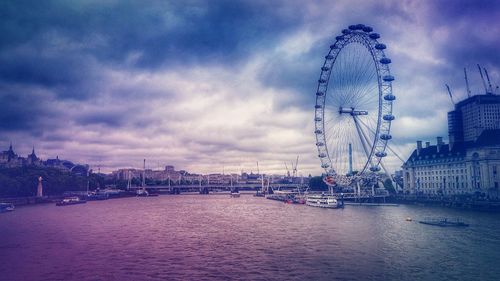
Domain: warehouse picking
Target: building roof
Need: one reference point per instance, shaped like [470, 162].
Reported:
[487, 138]
[481, 99]
[431, 152]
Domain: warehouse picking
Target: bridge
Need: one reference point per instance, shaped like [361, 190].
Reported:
[205, 189]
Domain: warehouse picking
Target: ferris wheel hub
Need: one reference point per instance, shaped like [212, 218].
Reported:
[351, 111]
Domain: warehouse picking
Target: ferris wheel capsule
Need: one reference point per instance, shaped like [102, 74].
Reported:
[385, 60]
[389, 97]
[367, 29]
[388, 117]
[385, 136]
[388, 78]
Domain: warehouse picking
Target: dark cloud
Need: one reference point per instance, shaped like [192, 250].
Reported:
[471, 31]
[164, 32]
[175, 78]
[20, 111]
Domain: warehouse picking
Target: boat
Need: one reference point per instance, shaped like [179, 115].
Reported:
[142, 192]
[259, 194]
[97, 196]
[443, 222]
[235, 192]
[295, 199]
[299, 200]
[322, 201]
[6, 207]
[70, 201]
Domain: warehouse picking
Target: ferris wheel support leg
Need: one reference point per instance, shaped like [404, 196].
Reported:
[361, 136]
[358, 190]
[388, 146]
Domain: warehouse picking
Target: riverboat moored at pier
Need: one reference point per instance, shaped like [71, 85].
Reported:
[70, 201]
[322, 201]
[443, 222]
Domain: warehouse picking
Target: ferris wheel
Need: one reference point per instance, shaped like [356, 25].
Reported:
[353, 110]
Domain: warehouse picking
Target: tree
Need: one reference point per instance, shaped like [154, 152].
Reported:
[389, 187]
[23, 181]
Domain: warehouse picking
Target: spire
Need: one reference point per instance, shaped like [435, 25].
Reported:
[32, 157]
[11, 153]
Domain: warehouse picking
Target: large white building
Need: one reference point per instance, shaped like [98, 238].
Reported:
[470, 163]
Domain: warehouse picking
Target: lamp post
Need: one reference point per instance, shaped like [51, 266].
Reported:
[39, 192]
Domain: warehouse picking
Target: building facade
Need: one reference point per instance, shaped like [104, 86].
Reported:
[469, 163]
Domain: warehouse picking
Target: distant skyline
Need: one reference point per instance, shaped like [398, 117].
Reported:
[203, 85]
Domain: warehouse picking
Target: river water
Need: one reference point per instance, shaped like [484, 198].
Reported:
[214, 237]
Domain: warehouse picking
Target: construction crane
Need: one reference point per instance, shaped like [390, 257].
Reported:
[287, 171]
[467, 83]
[482, 79]
[294, 167]
[489, 82]
[449, 92]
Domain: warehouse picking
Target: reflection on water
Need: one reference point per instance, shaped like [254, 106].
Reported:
[199, 237]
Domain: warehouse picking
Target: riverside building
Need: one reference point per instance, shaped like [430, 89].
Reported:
[469, 163]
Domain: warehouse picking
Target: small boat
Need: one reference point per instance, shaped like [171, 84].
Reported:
[142, 192]
[443, 222]
[70, 201]
[97, 196]
[409, 219]
[235, 192]
[322, 201]
[6, 207]
[259, 194]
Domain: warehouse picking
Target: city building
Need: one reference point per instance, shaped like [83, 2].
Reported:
[469, 163]
[9, 159]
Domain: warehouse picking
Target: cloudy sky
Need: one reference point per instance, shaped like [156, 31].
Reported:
[207, 84]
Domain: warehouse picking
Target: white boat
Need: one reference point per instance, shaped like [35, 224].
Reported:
[70, 201]
[142, 192]
[322, 201]
[6, 207]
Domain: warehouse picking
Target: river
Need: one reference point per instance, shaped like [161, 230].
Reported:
[214, 237]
